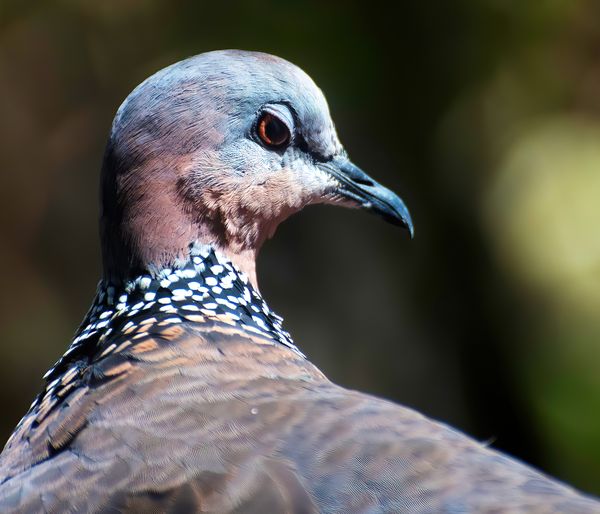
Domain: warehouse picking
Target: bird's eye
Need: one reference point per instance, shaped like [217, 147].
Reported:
[272, 131]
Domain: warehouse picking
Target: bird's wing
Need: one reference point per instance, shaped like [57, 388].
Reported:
[217, 421]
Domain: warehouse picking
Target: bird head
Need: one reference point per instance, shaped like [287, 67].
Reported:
[219, 149]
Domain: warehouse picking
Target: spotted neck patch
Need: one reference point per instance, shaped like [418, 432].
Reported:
[207, 288]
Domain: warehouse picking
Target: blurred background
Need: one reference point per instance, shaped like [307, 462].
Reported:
[483, 114]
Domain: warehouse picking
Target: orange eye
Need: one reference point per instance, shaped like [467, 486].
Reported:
[272, 131]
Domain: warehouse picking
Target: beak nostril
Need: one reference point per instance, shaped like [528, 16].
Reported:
[356, 175]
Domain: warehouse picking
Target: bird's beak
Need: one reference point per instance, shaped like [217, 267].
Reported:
[356, 186]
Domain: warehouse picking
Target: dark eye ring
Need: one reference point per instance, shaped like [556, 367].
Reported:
[272, 131]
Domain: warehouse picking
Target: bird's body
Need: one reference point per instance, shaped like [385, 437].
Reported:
[181, 391]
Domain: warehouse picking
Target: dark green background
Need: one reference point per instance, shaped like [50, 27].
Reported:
[483, 114]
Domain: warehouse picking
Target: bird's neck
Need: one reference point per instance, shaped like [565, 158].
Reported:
[149, 219]
[207, 288]
[244, 260]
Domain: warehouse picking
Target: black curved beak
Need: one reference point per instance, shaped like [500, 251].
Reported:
[358, 187]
